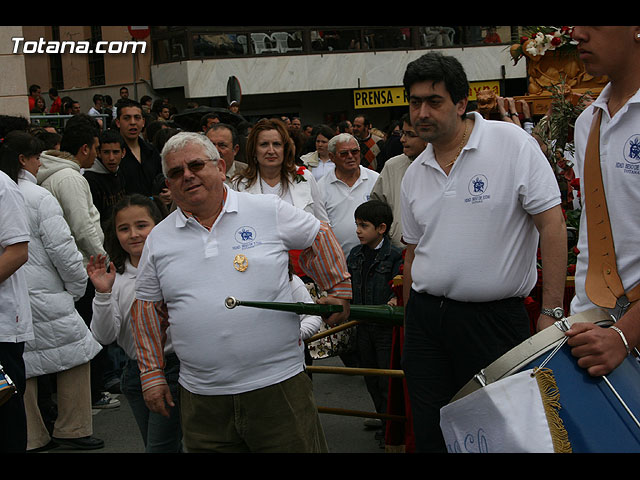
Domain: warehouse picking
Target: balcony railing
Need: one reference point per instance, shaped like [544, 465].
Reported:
[174, 44]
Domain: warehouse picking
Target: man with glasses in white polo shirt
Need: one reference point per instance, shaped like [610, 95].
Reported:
[346, 187]
[475, 203]
[243, 386]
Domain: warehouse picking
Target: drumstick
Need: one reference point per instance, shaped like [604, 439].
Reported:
[624, 405]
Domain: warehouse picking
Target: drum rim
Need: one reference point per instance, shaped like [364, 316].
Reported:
[524, 353]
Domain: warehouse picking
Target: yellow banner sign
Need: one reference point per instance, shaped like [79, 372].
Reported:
[379, 97]
[396, 96]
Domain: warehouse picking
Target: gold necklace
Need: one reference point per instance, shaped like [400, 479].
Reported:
[464, 136]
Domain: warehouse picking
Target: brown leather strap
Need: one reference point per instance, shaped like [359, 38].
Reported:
[603, 284]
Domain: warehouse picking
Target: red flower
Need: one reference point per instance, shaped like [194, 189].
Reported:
[575, 183]
[555, 41]
[575, 250]
[571, 269]
[300, 170]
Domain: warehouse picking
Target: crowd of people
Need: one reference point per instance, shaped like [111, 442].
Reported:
[120, 243]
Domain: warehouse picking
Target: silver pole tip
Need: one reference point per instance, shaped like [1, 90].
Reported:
[231, 302]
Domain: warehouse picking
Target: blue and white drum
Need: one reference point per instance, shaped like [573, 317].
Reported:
[600, 415]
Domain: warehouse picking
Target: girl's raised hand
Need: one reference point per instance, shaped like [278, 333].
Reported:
[101, 278]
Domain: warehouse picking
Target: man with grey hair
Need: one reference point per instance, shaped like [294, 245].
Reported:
[243, 385]
[345, 187]
[225, 138]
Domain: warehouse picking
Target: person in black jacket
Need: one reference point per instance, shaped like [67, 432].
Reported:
[141, 163]
[104, 177]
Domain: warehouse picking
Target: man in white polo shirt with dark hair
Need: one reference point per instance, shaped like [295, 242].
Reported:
[243, 386]
[346, 187]
[475, 204]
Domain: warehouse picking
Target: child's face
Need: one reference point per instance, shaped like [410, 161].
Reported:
[133, 224]
[368, 234]
[111, 155]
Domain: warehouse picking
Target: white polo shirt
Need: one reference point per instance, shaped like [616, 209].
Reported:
[474, 235]
[15, 311]
[193, 270]
[340, 202]
[620, 164]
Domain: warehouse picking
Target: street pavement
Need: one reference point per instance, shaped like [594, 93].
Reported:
[344, 434]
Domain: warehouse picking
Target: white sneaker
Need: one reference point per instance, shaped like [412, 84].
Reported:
[372, 423]
[106, 401]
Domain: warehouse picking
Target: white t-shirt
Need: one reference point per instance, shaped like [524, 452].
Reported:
[474, 235]
[340, 202]
[15, 311]
[224, 351]
[620, 163]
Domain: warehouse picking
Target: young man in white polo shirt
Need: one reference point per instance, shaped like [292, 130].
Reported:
[612, 51]
[243, 386]
[345, 187]
[474, 205]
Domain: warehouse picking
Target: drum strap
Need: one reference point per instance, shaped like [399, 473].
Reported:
[603, 284]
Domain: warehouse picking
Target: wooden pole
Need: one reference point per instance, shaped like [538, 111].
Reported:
[359, 413]
[356, 371]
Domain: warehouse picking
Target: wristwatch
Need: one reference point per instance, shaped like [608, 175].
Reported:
[556, 313]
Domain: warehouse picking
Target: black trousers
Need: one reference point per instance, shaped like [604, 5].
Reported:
[373, 344]
[446, 343]
[13, 420]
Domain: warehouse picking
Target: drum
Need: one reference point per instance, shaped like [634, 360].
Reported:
[7, 388]
[600, 415]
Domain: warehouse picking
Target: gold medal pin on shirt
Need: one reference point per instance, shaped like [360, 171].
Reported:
[240, 263]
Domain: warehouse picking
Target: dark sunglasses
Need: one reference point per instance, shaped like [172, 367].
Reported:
[345, 153]
[193, 166]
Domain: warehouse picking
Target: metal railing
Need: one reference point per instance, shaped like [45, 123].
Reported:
[384, 315]
[172, 44]
[58, 121]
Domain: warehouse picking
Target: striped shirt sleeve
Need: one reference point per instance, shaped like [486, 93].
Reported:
[324, 261]
[149, 323]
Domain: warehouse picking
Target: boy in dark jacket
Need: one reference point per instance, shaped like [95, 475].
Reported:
[107, 185]
[373, 264]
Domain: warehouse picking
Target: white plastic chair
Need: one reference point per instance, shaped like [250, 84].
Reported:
[438, 36]
[259, 43]
[242, 40]
[282, 42]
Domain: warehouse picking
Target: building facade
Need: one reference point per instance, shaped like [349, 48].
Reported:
[322, 74]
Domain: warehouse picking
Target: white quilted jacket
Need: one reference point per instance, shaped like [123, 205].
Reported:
[56, 279]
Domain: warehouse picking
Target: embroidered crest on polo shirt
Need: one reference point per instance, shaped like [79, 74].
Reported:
[478, 186]
[631, 154]
[246, 237]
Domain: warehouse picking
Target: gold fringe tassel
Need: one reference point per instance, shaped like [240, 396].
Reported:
[551, 401]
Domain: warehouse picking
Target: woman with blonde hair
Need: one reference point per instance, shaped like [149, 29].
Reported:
[271, 169]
